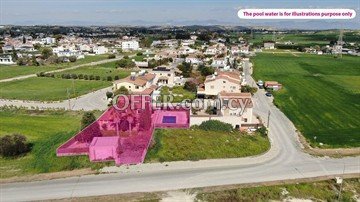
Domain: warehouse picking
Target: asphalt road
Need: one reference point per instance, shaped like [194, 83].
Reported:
[285, 160]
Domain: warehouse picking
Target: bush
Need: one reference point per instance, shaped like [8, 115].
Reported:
[190, 86]
[215, 125]
[248, 89]
[41, 74]
[72, 58]
[97, 78]
[109, 78]
[13, 145]
[80, 76]
[74, 76]
[109, 94]
[121, 91]
[91, 77]
[139, 54]
[111, 56]
[262, 130]
[116, 77]
[86, 77]
[87, 119]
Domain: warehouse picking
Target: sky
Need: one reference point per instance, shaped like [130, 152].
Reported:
[164, 12]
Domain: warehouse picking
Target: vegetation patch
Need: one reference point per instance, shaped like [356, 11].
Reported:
[196, 144]
[315, 98]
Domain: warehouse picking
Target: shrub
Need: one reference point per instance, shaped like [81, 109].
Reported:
[116, 77]
[80, 76]
[72, 58]
[13, 145]
[109, 78]
[109, 94]
[86, 77]
[97, 78]
[262, 130]
[67, 76]
[91, 77]
[139, 54]
[121, 91]
[111, 56]
[87, 119]
[248, 89]
[190, 86]
[74, 76]
[215, 125]
[41, 74]
[126, 57]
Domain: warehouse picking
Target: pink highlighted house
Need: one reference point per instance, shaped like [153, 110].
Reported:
[123, 133]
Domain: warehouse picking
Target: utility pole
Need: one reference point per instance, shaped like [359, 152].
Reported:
[340, 43]
[268, 119]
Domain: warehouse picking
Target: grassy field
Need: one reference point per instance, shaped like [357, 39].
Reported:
[7, 71]
[315, 191]
[196, 144]
[48, 89]
[103, 70]
[319, 38]
[320, 95]
[46, 130]
[178, 92]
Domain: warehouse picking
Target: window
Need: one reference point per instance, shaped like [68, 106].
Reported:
[129, 86]
[169, 74]
[224, 81]
[136, 87]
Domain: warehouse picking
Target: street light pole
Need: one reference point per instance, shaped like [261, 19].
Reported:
[268, 119]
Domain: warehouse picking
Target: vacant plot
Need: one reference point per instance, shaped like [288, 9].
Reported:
[178, 92]
[196, 144]
[48, 89]
[15, 70]
[103, 70]
[316, 97]
[46, 130]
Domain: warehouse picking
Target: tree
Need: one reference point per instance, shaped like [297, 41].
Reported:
[216, 125]
[24, 40]
[186, 69]
[206, 70]
[109, 94]
[14, 54]
[72, 58]
[121, 91]
[87, 119]
[190, 86]
[46, 52]
[13, 145]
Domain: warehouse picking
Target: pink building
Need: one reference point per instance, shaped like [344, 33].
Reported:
[123, 133]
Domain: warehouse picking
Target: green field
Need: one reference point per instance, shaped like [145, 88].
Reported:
[320, 95]
[196, 144]
[103, 70]
[178, 92]
[7, 71]
[48, 89]
[307, 39]
[46, 130]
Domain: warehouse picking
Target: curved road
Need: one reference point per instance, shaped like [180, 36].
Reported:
[285, 160]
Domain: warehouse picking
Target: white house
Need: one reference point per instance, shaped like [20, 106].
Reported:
[141, 83]
[98, 50]
[237, 104]
[130, 45]
[220, 81]
[48, 40]
[164, 76]
[219, 62]
[269, 45]
[6, 60]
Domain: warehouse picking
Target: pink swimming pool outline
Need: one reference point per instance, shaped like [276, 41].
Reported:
[123, 135]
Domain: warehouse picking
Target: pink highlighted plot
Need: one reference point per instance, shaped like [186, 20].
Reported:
[123, 133]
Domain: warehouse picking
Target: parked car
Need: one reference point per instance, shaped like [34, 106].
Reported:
[268, 94]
